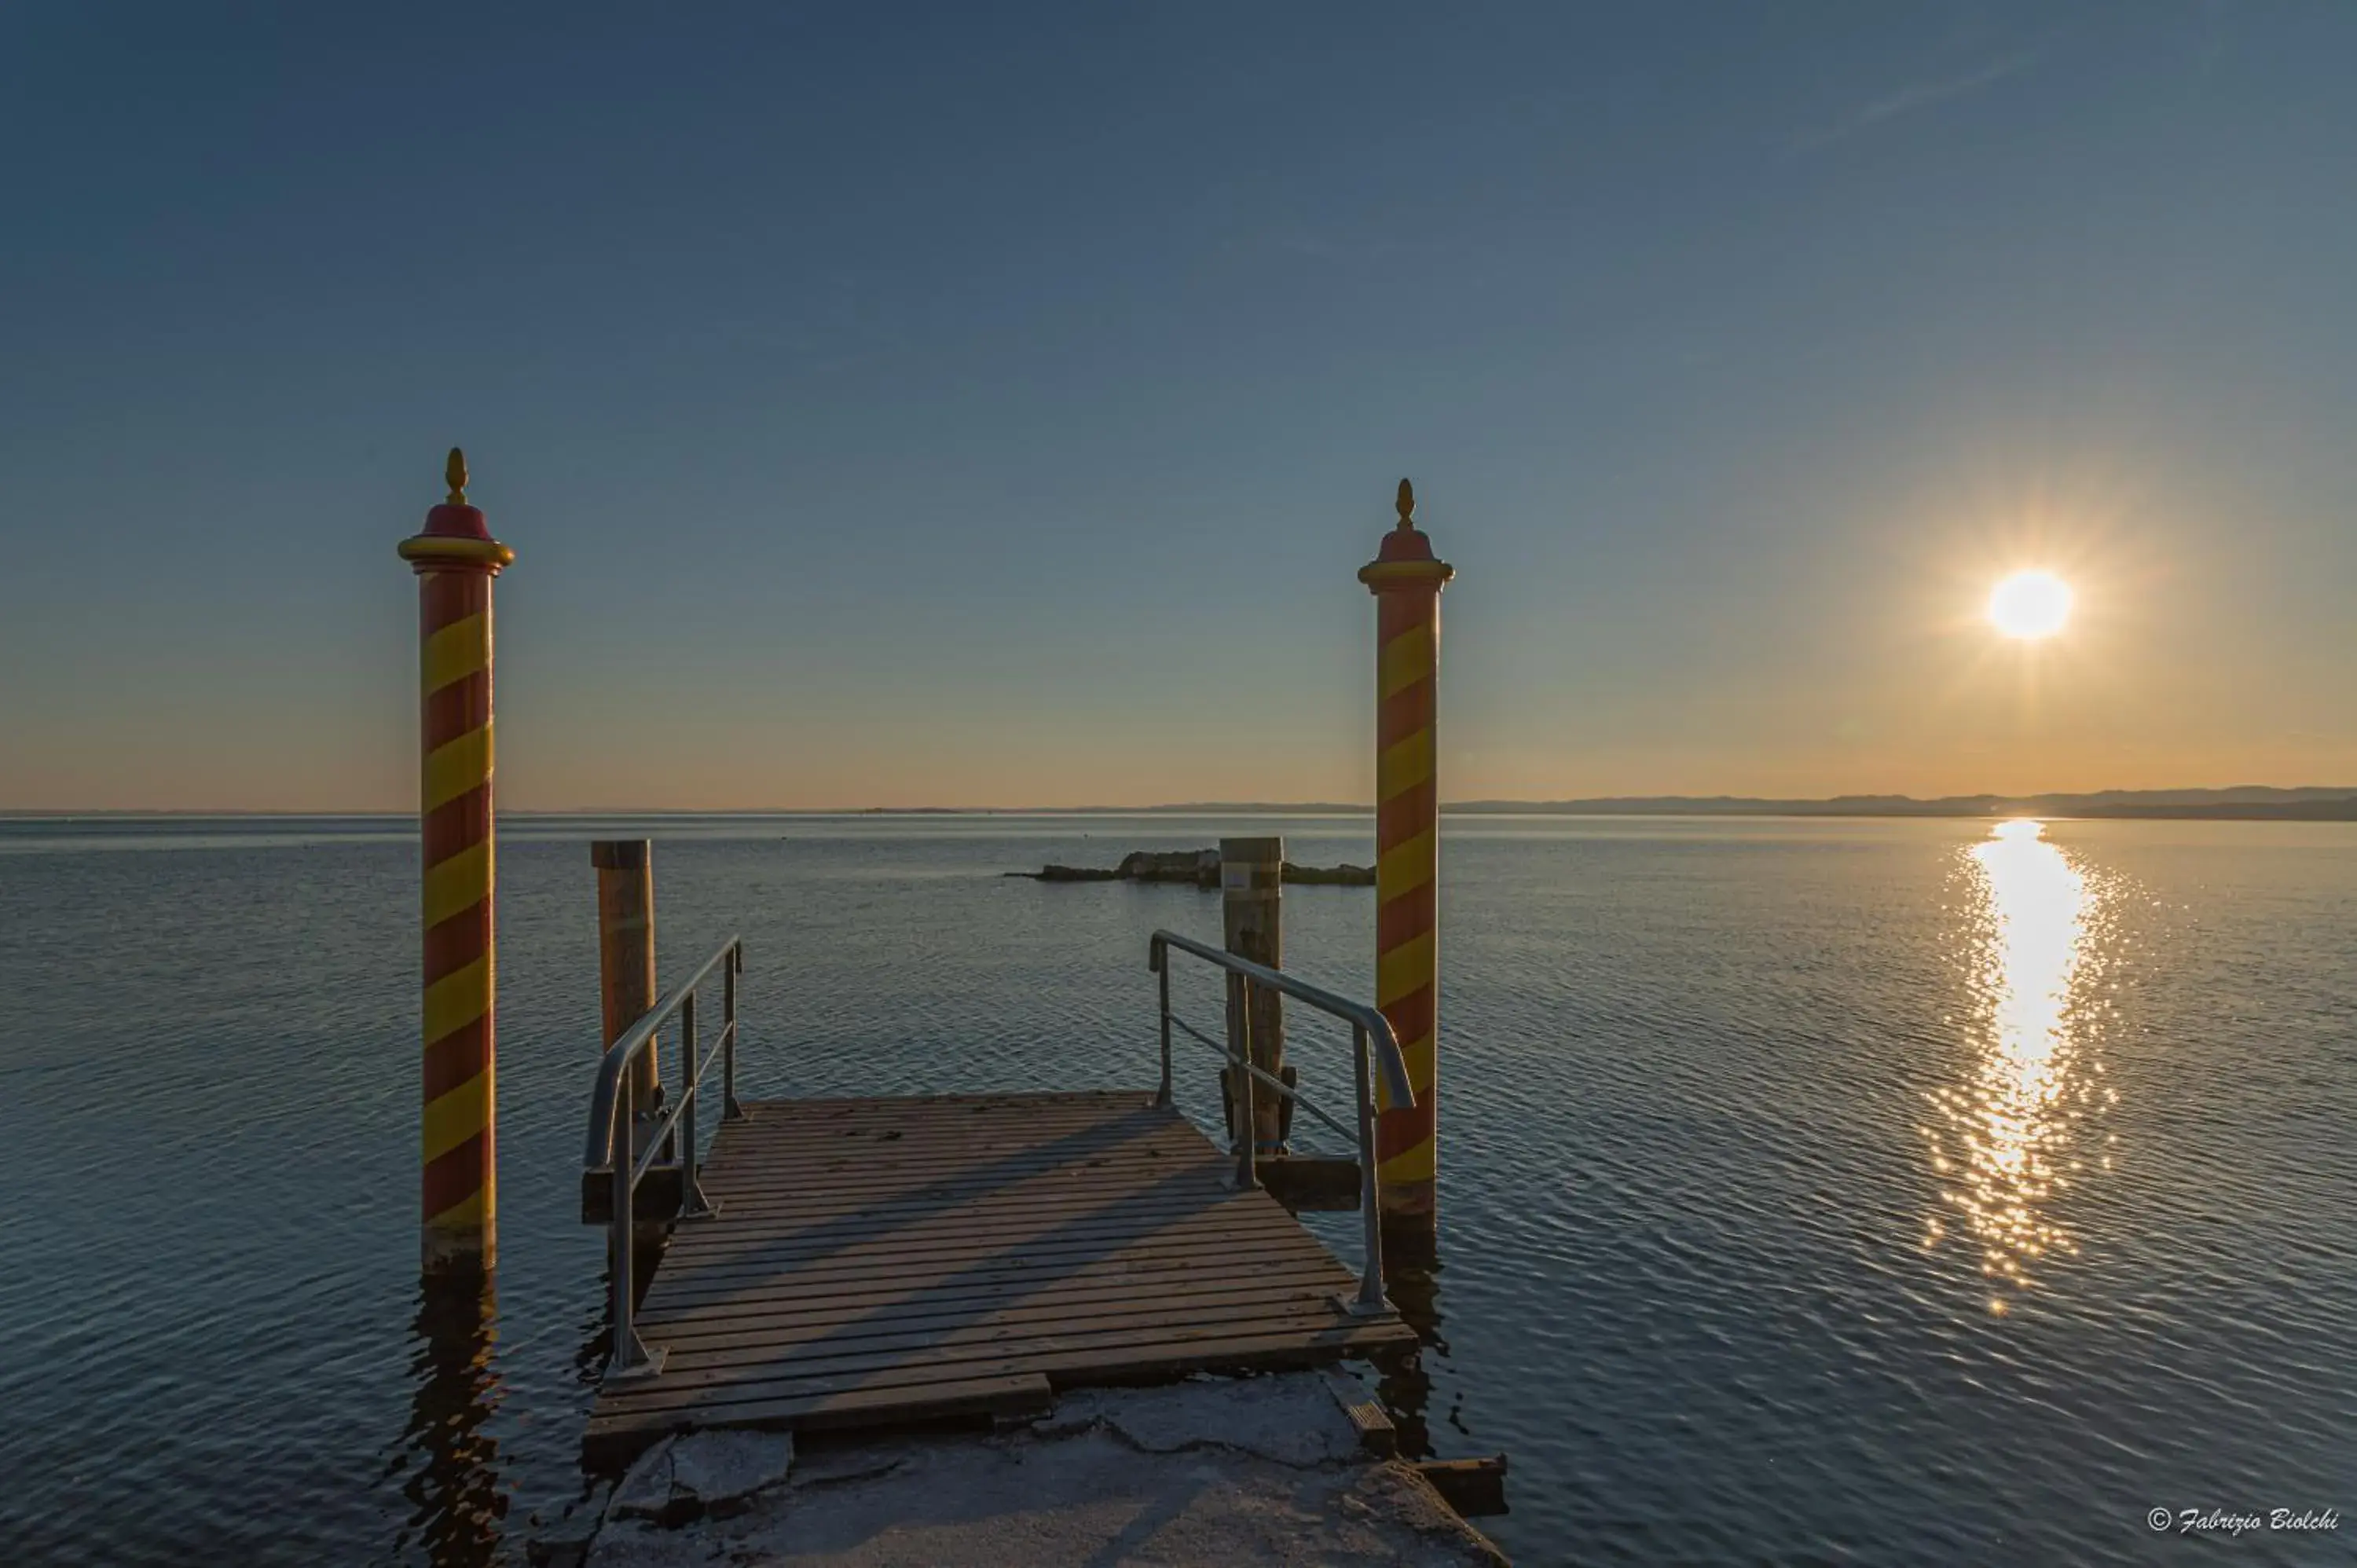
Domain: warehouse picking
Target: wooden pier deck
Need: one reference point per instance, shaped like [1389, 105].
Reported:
[881, 1262]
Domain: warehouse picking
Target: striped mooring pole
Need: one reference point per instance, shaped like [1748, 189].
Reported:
[455, 559]
[1406, 579]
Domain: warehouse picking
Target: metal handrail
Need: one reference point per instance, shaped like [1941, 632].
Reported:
[612, 1105]
[1372, 1036]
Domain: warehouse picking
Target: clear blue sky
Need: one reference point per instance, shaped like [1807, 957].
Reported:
[991, 403]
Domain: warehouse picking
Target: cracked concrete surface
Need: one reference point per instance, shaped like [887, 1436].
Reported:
[1234, 1471]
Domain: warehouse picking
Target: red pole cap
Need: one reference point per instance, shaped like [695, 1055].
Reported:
[456, 535]
[1405, 560]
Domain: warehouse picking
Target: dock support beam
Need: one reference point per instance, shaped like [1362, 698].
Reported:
[455, 560]
[1251, 876]
[1406, 579]
[626, 949]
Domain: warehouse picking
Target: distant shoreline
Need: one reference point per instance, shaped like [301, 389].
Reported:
[2242, 803]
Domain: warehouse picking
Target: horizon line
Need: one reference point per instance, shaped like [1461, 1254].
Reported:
[1205, 807]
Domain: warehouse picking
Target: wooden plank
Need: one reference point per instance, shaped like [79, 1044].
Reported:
[907, 1306]
[880, 1164]
[1031, 1122]
[1101, 1339]
[802, 1120]
[1112, 1361]
[1377, 1436]
[1026, 1128]
[1044, 1211]
[818, 1192]
[915, 1230]
[948, 1254]
[827, 1104]
[889, 1162]
[717, 1259]
[1195, 1244]
[955, 1322]
[1318, 1183]
[1144, 1268]
[814, 1194]
[1113, 1344]
[1018, 1136]
[1104, 1187]
[1017, 1394]
[1475, 1488]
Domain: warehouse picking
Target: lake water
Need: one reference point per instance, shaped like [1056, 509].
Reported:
[1813, 1191]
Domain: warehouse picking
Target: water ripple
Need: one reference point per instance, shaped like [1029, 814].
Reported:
[1699, 1083]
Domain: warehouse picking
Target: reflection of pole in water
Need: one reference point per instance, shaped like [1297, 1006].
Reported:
[1405, 1387]
[454, 1493]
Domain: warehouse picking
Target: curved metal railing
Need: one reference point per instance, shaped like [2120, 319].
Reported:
[1371, 1038]
[622, 1151]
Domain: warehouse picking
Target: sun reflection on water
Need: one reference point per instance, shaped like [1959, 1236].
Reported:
[2006, 1139]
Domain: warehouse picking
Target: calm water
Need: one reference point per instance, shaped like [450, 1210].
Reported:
[1882, 1192]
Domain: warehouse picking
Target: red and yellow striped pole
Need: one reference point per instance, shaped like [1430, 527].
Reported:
[1405, 580]
[455, 558]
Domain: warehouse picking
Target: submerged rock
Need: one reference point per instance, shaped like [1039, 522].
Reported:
[1197, 866]
[700, 1473]
[1343, 876]
[566, 1542]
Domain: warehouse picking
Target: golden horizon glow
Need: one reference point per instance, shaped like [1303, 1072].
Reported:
[2029, 605]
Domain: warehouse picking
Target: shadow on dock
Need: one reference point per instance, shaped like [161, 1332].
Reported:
[884, 1261]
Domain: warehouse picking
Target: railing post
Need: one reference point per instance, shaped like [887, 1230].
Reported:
[692, 1204]
[1162, 1098]
[629, 1358]
[1406, 579]
[1252, 883]
[455, 559]
[1242, 1046]
[729, 1109]
[1371, 1278]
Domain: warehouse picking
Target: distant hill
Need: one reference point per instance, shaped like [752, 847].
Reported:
[2249, 802]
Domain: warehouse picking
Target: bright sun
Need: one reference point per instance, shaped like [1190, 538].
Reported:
[2029, 605]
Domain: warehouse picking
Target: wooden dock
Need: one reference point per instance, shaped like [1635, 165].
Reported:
[885, 1262]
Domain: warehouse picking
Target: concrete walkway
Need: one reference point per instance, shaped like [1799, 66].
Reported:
[1238, 1472]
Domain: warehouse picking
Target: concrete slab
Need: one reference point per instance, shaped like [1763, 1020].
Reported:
[1241, 1472]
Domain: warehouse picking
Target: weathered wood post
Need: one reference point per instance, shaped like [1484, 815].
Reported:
[455, 560]
[1252, 913]
[1406, 579]
[626, 947]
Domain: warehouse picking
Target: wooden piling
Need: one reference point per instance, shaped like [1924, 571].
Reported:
[1406, 579]
[455, 560]
[626, 947]
[1252, 911]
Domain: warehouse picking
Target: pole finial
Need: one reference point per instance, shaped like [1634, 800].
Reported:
[455, 473]
[1406, 504]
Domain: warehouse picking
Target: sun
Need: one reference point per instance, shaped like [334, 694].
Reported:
[2029, 605]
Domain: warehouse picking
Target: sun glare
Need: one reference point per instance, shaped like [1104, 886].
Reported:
[2029, 605]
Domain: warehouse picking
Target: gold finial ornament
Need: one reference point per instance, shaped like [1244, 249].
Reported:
[1406, 504]
[455, 473]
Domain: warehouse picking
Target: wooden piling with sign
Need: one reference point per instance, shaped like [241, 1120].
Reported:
[1252, 912]
[626, 946]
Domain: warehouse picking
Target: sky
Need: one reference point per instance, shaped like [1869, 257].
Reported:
[992, 404]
